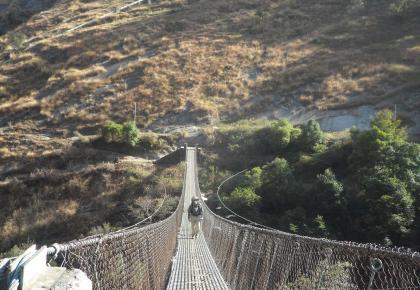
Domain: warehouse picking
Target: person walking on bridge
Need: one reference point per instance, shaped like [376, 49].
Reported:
[195, 215]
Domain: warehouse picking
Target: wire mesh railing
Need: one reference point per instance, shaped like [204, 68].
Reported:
[254, 258]
[136, 258]
[248, 257]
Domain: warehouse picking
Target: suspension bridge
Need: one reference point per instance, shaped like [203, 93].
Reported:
[229, 255]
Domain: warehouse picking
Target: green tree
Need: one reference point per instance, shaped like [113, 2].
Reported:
[253, 178]
[330, 188]
[405, 164]
[311, 136]
[131, 133]
[388, 207]
[277, 185]
[282, 134]
[243, 200]
[378, 144]
[330, 200]
[387, 168]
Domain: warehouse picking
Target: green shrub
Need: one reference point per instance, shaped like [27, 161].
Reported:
[253, 178]
[283, 134]
[378, 145]
[18, 40]
[388, 207]
[329, 183]
[325, 276]
[112, 132]
[243, 200]
[311, 136]
[329, 201]
[126, 133]
[131, 133]
[278, 183]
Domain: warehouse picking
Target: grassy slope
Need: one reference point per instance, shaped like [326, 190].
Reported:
[74, 191]
[210, 59]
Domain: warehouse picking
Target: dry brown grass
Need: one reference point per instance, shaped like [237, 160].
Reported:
[198, 61]
[66, 194]
[207, 58]
[182, 62]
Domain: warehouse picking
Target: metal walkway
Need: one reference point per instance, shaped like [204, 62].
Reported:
[193, 265]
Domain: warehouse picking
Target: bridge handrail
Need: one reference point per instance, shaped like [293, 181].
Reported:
[135, 258]
[289, 260]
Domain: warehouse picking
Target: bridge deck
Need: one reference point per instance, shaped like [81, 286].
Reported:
[193, 266]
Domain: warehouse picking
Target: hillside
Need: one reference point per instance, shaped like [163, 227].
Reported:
[186, 65]
[202, 61]
[360, 186]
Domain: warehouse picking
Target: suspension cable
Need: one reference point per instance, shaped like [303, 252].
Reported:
[55, 248]
[150, 216]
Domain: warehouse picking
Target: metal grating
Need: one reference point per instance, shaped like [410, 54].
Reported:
[193, 265]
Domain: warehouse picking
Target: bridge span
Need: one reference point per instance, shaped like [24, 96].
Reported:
[193, 266]
[229, 255]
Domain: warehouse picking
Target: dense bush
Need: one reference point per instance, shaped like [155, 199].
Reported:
[283, 133]
[112, 132]
[131, 133]
[126, 133]
[311, 135]
[243, 200]
[264, 140]
[277, 187]
[365, 189]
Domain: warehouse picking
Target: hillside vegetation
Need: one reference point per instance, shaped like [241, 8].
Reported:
[361, 186]
[77, 191]
[209, 59]
[181, 63]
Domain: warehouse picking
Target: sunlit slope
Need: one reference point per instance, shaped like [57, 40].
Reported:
[210, 59]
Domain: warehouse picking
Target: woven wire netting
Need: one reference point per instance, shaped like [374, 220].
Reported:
[254, 258]
[135, 258]
[248, 258]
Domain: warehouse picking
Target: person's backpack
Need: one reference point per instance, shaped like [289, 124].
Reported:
[196, 211]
